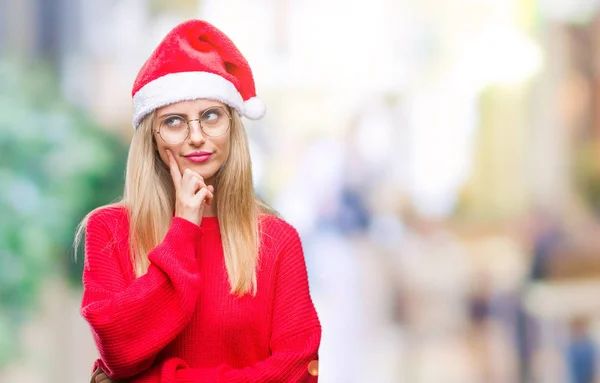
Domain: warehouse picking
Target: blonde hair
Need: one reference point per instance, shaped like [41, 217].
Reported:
[149, 199]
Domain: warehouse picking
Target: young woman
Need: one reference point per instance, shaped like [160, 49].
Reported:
[190, 278]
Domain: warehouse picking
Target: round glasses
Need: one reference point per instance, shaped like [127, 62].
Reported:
[175, 129]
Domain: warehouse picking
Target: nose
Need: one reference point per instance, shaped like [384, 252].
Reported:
[196, 134]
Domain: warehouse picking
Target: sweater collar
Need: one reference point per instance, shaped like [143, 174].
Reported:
[209, 223]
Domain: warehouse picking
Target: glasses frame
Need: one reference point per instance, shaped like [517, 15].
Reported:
[189, 128]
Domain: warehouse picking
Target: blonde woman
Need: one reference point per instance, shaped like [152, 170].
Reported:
[190, 278]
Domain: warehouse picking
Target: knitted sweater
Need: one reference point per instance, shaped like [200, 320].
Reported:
[179, 322]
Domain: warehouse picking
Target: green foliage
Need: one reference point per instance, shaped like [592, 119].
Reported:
[56, 164]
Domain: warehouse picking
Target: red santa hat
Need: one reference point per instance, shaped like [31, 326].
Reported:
[195, 60]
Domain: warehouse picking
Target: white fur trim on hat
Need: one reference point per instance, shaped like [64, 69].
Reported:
[183, 86]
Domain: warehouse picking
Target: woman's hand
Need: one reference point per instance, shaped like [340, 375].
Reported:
[100, 377]
[192, 194]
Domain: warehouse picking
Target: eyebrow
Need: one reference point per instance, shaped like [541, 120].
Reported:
[166, 114]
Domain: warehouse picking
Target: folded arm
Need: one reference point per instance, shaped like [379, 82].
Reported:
[295, 335]
[132, 321]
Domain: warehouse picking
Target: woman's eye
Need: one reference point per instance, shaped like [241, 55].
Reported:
[173, 122]
[211, 115]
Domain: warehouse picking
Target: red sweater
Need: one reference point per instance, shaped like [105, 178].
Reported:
[179, 323]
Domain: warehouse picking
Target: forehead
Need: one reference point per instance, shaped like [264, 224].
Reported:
[188, 107]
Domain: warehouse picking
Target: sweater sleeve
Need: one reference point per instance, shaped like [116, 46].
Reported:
[295, 337]
[132, 321]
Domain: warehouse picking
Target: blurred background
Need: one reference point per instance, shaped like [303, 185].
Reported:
[440, 159]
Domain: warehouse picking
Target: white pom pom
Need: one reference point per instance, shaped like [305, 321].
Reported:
[254, 108]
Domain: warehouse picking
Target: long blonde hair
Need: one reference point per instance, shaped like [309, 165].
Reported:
[149, 199]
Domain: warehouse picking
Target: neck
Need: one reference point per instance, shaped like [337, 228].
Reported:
[209, 211]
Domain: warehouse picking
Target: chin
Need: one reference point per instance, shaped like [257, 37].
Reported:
[205, 171]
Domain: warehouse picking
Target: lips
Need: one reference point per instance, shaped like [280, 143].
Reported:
[199, 156]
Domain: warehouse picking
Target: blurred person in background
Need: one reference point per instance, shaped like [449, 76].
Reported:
[329, 225]
[190, 277]
[581, 352]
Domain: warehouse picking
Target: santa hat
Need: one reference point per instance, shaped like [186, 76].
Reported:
[195, 60]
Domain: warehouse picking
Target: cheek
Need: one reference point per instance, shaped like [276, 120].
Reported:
[225, 146]
[162, 147]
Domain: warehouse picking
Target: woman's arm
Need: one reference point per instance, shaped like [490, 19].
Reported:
[293, 360]
[295, 337]
[132, 322]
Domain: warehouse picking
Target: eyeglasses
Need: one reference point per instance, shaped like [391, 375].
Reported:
[214, 122]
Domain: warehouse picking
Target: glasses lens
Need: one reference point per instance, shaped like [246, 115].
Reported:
[215, 121]
[173, 129]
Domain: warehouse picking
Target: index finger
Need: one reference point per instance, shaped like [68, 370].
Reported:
[174, 169]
